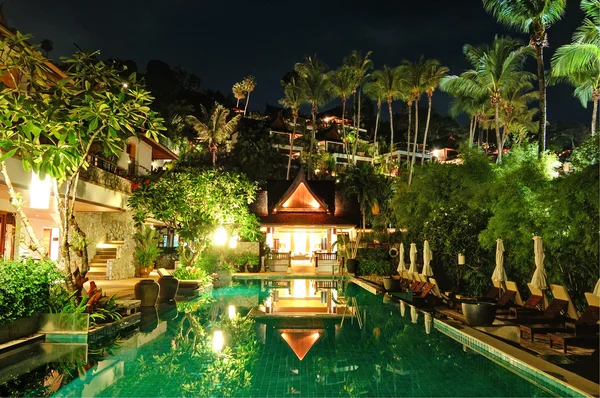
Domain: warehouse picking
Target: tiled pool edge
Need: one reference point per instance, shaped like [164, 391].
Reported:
[537, 376]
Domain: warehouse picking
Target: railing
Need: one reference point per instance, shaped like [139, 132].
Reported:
[326, 256]
[106, 173]
[281, 256]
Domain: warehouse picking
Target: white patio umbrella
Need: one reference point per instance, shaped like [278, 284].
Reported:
[413, 258]
[427, 255]
[499, 274]
[597, 288]
[539, 276]
[401, 263]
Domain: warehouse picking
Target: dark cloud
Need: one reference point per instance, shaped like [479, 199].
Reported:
[222, 41]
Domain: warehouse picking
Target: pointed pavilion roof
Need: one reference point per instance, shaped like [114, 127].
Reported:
[300, 341]
[299, 197]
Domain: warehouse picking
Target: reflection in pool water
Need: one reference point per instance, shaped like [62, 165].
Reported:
[296, 345]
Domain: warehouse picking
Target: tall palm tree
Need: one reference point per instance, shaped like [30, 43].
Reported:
[47, 45]
[579, 62]
[249, 84]
[497, 68]
[342, 85]
[517, 115]
[361, 182]
[316, 89]
[533, 17]
[360, 66]
[376, 91]
[293, 99]
[413, 75]
[238, 92]
[216, 130]
[434, 72]
[389, 80]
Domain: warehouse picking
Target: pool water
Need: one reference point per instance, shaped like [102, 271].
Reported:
[177, 353]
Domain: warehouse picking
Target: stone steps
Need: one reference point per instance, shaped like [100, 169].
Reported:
[107, 251]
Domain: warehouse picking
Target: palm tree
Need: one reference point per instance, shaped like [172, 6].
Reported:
[413, 75]
[361, 182]
[293, 100]
[216, 131]
[360, 66]
[342, 85]
[249, 84]
[517, 116]
[47, 45]
[534, 17]
[496, 70]
[376, 91]
[316, 89]
[238, 92]
[389, 80]
[579, 62]
[434, 72]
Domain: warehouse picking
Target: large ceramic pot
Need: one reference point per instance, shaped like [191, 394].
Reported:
[479, 314]
[167, 311]
[145, 271]
[254, 268]
[147, 291]
[391, 284]
[352, 265]
[168, 287]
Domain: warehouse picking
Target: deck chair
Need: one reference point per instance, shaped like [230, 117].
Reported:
[512, 286]
[552, 316]
[419, 283]
[534, 304]
[585, 330]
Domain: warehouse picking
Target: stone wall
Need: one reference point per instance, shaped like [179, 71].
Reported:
[248, 247]
[107, 227]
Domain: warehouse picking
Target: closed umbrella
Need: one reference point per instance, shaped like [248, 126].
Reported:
[597, 288]
[427, 255]
[539, 276]
[413, 258]
[401, 263]
[499, 274]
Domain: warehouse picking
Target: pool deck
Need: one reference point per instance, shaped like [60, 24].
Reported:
[536, 354]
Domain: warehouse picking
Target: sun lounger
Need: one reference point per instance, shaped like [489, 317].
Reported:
[534, 303]
[584, 331]
[554, 314]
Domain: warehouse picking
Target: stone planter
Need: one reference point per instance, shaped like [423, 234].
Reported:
[479, 314]
[352, 265]
[147, 291]
[391, 284]
[20, 328]
[168, 287]
[254, 268]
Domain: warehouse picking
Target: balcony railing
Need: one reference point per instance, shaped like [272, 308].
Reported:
[106, 173]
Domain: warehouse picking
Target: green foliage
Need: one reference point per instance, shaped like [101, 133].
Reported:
[29, 287]
[373, 261]
[192, 273]
[586, 154]
[147, 250]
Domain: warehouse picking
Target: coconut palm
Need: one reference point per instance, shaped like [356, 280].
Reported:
[361, 182]
[376, 91]
[316, 89]
[474, 108]
[47, 45]
[249, 84]
[579, 62]
[533, 17]
[389, 80]
[360, 66]
[238, 92]
[413, 76]
[216, 131]
[292, 100]
[497, 69]
[342, 85]
[516, 115]
[434, 72]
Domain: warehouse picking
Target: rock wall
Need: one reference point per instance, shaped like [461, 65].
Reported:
[108, 227]
[248, 247]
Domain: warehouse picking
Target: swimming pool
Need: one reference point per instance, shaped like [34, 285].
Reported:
[179, 350]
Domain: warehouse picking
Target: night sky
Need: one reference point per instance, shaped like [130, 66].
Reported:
[223, 41]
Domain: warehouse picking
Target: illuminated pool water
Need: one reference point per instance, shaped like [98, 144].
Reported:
[178, 355]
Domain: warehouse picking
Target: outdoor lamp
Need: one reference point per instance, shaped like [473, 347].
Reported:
[233, 241]
[231, 312]
[461, 259]
[39, 192]
[220, 236]
[218, 341]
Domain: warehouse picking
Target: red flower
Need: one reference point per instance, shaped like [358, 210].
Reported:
[147, 182]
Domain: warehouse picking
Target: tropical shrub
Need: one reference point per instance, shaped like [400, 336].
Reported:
[29, 287]
[374, 261]
[191, 273]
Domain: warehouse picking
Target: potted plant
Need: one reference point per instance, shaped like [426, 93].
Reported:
[349, 249]
[252, 262]
[147, 250]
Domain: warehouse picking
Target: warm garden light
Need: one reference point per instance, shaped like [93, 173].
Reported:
[220, 236]
[218, 341]
[233, 242]
[231, 311]
[39, 192]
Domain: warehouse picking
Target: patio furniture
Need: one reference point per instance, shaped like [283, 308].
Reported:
[279, 261]
[326, 262]
[584, 331]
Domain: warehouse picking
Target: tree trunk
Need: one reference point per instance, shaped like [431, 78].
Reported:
[292, 146]
[355, 146]
[389, 101]
[375, 150]
[498, 138]
[34, 244]
[408, 134]
[344, 126]
[542, 86]
[414, 152]
[238, 103]
[247, 102]
[312, 140]
[426, 128]
[471, 131]
[63, 228]
[595, 115]
[213, 152]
